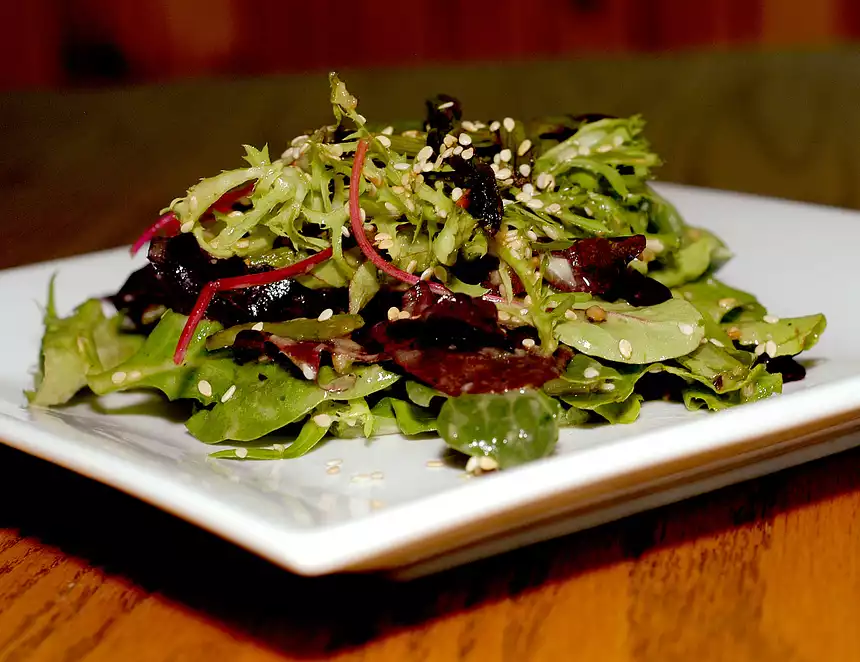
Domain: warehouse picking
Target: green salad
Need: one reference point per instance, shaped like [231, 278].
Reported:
[489, 282]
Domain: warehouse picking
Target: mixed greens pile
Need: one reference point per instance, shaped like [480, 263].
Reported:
[491, 282]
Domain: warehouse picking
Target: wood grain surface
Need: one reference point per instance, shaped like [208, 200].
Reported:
[764, 571]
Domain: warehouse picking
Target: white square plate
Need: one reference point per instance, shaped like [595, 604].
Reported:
[798, 259]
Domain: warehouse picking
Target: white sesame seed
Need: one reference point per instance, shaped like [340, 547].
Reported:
[468, 153]
[469, 126]
[503, 173]
[362, 215]
[323, 420]
[534, 203]
[441, 213]
[728, 302]
[336, 462]
[188, 226]
[205, 388]
[257, 327]
[448, 152]
[759, 350]
[406, 178]
[554, 208]
[570, 314]
[134, 375]
[445, 106]
[456, 194]
[449, 140]
[507, 202]
[404, 315]
[472, 465]
[402, 166]
[325, 315]
[591, 372]
[424, 153]
[495, 126]
[377, 475]
[411, 266]
[770, 319]
[528, 343]
[228, 393]
[544, 180]
[716, 343]
[385, 141]
[391, 207]
[427, 274]
[523, 196]
[531, 234]
[308, 372]
[487, 463]
[524, 312]
[686, 329]
[388, 131]
[434, 464]
[465, 139]
[608, 386]
[495, 167]
[504, 316]
[345, 230]
[509, 124]
[234, 214]
[382, 236]
[118, 377]
[386, 245]
[505, 155]
[525, 169]
[770, 348]
[278, 448]
[393, 313]
[625, 348]
[458, 149]
[333, 470]
[243, 243]
[655, 245]
[604, 148]
[241, 453]
[524, 147]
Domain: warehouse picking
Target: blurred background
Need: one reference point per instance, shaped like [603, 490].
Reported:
[111, 108]
[97, 42]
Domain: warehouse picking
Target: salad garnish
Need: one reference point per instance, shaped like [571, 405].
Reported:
[491, 282]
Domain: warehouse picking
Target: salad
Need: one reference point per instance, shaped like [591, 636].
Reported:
[487, 282]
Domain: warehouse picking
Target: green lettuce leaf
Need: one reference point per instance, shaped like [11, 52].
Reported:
[625, 411]
[790, 335]
[300, 328]
[359, 382]
[512, 428]
[309, 436]
[702, 252]
[719, 301]
[636, 335]
[760, 385]
[421, 394]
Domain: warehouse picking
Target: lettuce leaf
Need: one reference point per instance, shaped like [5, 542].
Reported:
[789, 335]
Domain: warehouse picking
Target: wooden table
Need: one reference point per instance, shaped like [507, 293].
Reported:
[763, 571]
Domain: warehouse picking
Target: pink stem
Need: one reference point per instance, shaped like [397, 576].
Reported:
[168, 223]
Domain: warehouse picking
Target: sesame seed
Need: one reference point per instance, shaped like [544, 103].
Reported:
[534, 203]
[468, 153]
[134, 375]
[449, 140]
[188, 226]
[532, 235]
[323, 420]
[686, 329]
[118, 377]
[487, 464]
[655, 245]
[279, 448]
[345, 230]
[404, 315]
[205, 388]
[362, 215]
[509, 124]
[770, 319]
[234, 214]
[608, 386]
[554, 208]
[495, 126]
[524, 312]
[393, 313]
[411, 266]
[604, 148]
[524, 147]
[544, 180]
[336, 462]
[308, 372]
[456, 194]
[257, 327]
[405, 179]
[241, 453]
[243, 243]
[472, 465]
[728, 302]
[770, 348]
[424, 153]
[377, 475]
[402, 166]
[446, 105]
[434, 464]
[469, 126]
[585, 150]
[228, 393]
[331, 471]
[448, 152]
[625, 348]
[504, 316]
[523, 196]
[595, 314]
[505, 155]
[759, 350]
[458, 149]
[591, 373]
[385, 141]
[427, 274]
[386, 245]
[325, 315]
[390, 206]
[441, 213]
[716, 343]
[503, 173]
[571, 314]
[465, 139]
[525, 169]
[387, 131]
[528, 343]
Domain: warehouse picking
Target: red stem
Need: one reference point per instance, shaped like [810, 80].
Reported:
[167, 223]
[224, 204]
[237, 283]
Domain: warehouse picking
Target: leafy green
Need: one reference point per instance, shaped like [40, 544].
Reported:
[300, 328]
[309, 436]
[625, 411]
[403, 417]
[76, 346]
[760, 385]
[702, 252]
[636, 335]
[363, 287]
[421, 394]
[512, 428]
[718, 301]
[791, 335]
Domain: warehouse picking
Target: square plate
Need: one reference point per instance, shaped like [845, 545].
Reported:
[798, 259]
